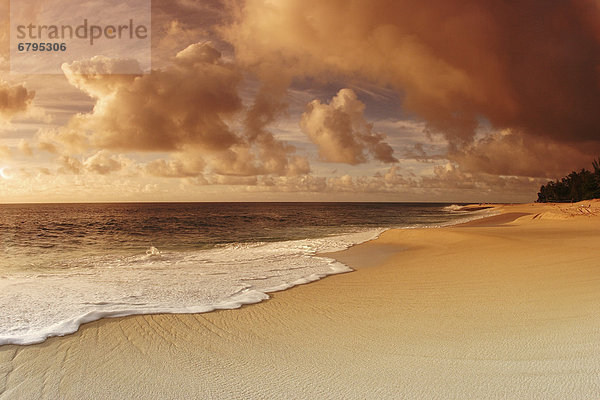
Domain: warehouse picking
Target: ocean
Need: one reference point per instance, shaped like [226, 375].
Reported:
[63, 265]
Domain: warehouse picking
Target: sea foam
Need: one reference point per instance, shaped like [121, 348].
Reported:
[57, 301]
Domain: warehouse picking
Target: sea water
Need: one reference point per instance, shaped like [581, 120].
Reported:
[62, 265]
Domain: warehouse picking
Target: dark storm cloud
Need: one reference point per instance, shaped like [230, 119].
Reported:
[532, 66]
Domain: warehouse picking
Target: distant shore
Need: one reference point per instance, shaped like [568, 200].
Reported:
[504, 307]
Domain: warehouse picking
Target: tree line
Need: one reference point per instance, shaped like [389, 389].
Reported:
[577, 186]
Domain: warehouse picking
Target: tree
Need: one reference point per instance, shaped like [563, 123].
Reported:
[577, 186]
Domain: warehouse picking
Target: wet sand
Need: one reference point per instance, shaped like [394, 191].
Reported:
[503, 308]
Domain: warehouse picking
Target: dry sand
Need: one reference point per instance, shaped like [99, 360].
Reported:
[504, 308]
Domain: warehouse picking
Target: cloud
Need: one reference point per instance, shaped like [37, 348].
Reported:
[99, 76]
[4, 29]
[101, 163]
[167, 110]
[525, 72]
[445, 181]
[5, 151]
[14, 99]
[531, 66]
[513, 153]
[234, 180]
[25, 148]
[451, 177]
[180, 22]
[417, 152]
[176, 168]
[341, 132]
[104, 163]
[70, 165]
[187, 108]
[392, 177]
[276, 156]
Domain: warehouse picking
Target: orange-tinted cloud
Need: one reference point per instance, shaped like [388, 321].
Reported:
[101, 163]
[104, 163]
[187, 109]
[517, 154]
[25, 148]
[14, 99]
[176, 168]
[165, 111]
[177, 23]
[341, 132]
[5, 151]
[446, 181]
[532, 66]
[4, 29]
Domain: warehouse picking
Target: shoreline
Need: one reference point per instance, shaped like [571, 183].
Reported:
[496, 310]
[70, 326]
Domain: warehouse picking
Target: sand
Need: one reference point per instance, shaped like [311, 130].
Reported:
[503, 308]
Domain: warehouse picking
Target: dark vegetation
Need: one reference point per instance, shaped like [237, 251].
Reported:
[577, 186]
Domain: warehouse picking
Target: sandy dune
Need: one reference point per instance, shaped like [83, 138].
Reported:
[503, 308]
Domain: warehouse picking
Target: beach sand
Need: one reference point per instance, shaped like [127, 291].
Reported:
[507, 307]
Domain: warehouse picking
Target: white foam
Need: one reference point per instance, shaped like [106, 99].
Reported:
[453, 207]
[464, 217]
[55, 303]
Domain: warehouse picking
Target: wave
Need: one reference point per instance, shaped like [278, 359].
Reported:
[57, 301]
[454, 207]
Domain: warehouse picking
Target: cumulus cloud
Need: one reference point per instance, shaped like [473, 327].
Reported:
[25, 148]
[99, 76]
[104, 163]
[341, 132]
[451, 177]
[513, 153]
[275, 154]
[184, 21]
[187, 108]
[181, 105]
[531, 66]
[393, 177]
[14, 99]
[527, 71]
[445, 180]
[69, 165]
[176, 168]
[241, 160]
[101, 163]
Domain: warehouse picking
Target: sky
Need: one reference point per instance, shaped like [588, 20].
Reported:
[311, 100]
